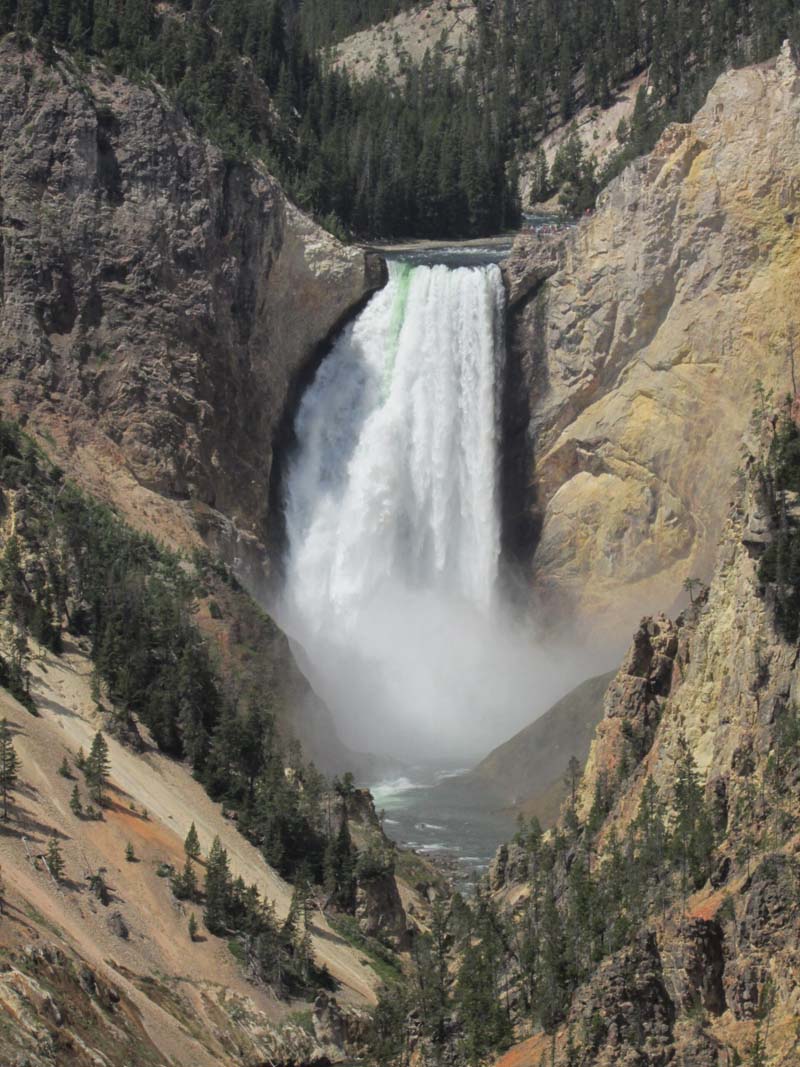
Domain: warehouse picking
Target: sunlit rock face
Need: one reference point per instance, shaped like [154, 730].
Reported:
[635, 362]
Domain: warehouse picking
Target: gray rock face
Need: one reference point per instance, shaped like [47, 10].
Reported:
[533, 260]
[694, 960]
[632, 367]
[379, 909]
[627, 1007]
[341, 1028]
[633, 702]
[158, 302]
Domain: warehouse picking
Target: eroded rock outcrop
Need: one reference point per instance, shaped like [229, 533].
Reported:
[713, 970]
[626, 1007]
[158, 302]
[633, 366]
[340, 1028]
[714, 680]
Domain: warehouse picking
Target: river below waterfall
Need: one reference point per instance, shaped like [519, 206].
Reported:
[435, 813]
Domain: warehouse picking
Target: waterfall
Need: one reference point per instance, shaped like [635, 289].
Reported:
[392, 517]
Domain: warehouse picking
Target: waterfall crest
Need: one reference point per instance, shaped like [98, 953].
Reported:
[392, 516]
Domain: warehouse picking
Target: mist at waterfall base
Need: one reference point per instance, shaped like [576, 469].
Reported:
[391, 591]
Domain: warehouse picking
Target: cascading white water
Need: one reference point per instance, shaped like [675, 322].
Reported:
[393, 527]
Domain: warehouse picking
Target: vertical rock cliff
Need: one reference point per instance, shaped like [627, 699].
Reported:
[634, 356]
[708, 974]
[157, 301]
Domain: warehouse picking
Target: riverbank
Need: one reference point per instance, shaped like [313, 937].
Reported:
[501, 241]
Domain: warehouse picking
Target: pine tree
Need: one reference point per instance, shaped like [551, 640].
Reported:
[184, 885]
[294, 923]
[59, 17]
[339, 867]
[649, 830]
[217, 888]
[64, 769]
[572, 777]
[304, 954]
[485, 1019]
[55, 861]
[12, 580]
[539, 179]
[431, 957]
[191, 846]
[130, 855]
[692, 839]
[97, 767]
[9, 765]
[75, 801]
[553, 987]
[193, 927]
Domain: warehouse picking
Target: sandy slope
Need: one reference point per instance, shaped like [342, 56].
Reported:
[158, 943]
[597, 128]
[412, 33]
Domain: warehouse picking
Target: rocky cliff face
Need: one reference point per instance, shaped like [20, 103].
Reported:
[710, 978]
[721, 681]
[719, 678]
[632, 365]
[158, 303]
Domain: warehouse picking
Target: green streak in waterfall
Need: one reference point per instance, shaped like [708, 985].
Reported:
[395, 326]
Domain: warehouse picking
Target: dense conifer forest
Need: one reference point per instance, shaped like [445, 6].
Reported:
[435, 153]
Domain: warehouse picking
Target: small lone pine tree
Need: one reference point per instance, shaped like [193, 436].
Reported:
[9, 765]
[94, 687]
[572, 778]
[64, 769]
[692, 586]
[75, 801]
[55, 861]
[192, 927]
[97, 768]
[692, 840]
[130, 855]
[191, 845]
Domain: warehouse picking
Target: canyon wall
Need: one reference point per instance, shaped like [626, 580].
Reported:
[160, 309]
[635, 352]
[158, 302]
[708, 975]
